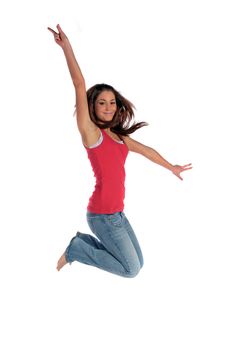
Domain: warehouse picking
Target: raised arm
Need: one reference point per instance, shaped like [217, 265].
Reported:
[84, 123]
[154, 156]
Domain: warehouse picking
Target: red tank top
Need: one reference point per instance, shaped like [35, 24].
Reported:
[108, 161]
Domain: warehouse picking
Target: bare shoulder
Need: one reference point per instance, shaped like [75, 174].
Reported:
[90, 134]
[88, 130]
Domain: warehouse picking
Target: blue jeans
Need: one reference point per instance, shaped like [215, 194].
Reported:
[116, 250]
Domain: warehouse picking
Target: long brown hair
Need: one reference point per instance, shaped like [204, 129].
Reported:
[124, 115]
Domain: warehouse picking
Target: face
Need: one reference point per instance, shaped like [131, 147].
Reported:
[105, 105]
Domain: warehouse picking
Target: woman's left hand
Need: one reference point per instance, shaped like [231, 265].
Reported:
[60, 38]
[177, 169]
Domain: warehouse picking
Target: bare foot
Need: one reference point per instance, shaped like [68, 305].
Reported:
[62, 261]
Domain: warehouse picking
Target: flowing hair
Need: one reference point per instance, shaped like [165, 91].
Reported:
[124, 115]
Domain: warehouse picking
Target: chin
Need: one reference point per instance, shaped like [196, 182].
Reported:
[107, 119]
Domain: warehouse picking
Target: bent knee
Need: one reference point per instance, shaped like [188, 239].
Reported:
[142, 263]
[133, 271]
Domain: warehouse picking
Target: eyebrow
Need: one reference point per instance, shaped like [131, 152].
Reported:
[102, 99]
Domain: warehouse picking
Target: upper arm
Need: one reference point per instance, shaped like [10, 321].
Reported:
[84, 123]
[82, 109]
[134, 145]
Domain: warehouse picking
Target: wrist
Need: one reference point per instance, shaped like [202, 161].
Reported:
[66, 46]
[171, 167]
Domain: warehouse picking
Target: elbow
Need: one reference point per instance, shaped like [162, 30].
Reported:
[78, 83]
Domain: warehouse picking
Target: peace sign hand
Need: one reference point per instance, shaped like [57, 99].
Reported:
[177, 169]
[60, 37]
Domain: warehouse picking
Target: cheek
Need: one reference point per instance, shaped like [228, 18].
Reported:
[97, 109]
[98, 112]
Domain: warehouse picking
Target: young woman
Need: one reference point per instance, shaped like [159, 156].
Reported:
[103, 119]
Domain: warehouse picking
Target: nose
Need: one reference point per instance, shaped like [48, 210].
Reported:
[108, 107]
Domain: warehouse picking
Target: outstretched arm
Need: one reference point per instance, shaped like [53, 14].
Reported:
[154, 156]
[62, 40]
[82, 112]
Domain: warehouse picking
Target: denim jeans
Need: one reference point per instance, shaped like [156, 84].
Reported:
[115, 249]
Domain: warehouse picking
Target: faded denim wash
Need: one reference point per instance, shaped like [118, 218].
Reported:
[114, 249]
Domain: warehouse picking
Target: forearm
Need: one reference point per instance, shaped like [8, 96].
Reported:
[73, 66]
[147, 152]
[155, 157]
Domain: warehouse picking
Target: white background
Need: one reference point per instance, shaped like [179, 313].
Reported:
[174, 61]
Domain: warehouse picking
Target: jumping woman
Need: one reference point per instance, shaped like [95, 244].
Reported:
[103, 120]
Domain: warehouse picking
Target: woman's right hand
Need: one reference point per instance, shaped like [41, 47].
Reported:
[60, 38]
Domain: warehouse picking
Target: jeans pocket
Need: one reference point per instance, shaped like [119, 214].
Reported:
[115, 219]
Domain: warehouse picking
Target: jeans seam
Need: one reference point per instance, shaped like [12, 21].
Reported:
[119, 250]
[123, 260]
[122, 256]
[134, 247]
[69, 247]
